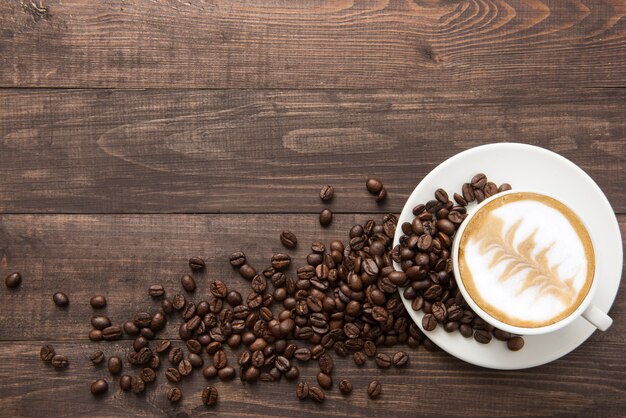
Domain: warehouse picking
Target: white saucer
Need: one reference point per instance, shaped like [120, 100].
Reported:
[528, 167]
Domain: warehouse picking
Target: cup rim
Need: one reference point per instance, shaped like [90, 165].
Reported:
[486, 316]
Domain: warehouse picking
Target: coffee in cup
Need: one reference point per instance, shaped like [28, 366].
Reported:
[526, 260]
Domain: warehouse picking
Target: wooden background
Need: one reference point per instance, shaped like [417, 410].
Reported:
[134, 134]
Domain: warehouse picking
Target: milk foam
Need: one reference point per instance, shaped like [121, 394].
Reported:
[515, 295]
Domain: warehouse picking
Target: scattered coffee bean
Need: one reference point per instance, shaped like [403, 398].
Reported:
[60, 299]
[173, 375]
[383, 360]
[482, 336]
[188, 283]
[400, 359]
[326, 217]
[147, 375]
[59, 361]
[345, 386]
[196, 264]
[218, 289]
[209, 396]
[515, 343]
[13, 280]
[98, 302]
[326, 193]
[137, 385]
[302, 390]
[99, 387]
[226, 373]
[114, 365]
[156, 291]
[429, 322]
[324, 380]
[112, 333]
[46, 353]
[125, 382]
[95, 335]
[359, 358]
[316, 394]
[237, 259]
[374, 185]
[382, 195]
[374, 389]
[174, 394]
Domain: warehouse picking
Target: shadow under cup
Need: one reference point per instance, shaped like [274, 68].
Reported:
[511, 260]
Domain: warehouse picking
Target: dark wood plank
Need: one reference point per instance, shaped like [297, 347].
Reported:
[588, 382]
[121, 256]
[312, 44]
[153, 151]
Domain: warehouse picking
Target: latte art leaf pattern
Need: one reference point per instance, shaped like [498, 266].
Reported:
[518, 259]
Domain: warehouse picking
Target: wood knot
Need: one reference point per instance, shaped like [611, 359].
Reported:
[432, 55]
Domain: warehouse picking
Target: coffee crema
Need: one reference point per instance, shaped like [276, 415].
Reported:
[526, 259]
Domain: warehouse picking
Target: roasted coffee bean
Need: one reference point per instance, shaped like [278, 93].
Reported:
[504, 187]
[59, 361]
[281, 261]
[100, 322]
[112, 333]
[99, 387]
[247, 271]
[114, 365]
[156, 291]
[98, 302]
[258, 284]
[515, 343]
[345, 386]
[209, 396]
[374, 389]
[188, 283]
[176, 355]
[218, 289]
[173, 375]
[142, 319]
[383, 360]
[468, 192]
[501, 335]
[316, 394]
[195, 360]
[96, 357]
[479, 181]
[125, 382]
[429, 322]
[326, 363]
[441, 196]
[324, 380]
[95, 335]
[209, 372]
[185, 367]
[302, 390]
[382, 195]
[47, 353]
[13, 280]
[60, 299]
[213, 347]
[251, 374]
[137, 385]
[226, 373]
[482, 336]
[369, 348]
[400, 359]
[490, 189]
[460, 199]
[162, 346]
[233, 298]
[359, 358]
[174, 394]
[282, 364]
[288, 239]
[480, 195]
[167, 306]
[130, 328]
[237, 259]
[302, 354]
[326, 217]
[144, 355]
[193, 346]
[155, 362]
[439, 311]
[326, 193]
[220, 360]
[147, 375]
[466, 330]
[196, 264]
[374, 185]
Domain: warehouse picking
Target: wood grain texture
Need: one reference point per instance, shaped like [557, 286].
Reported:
[313, 43]
[587, 382]
[110, 151]
[120, 256]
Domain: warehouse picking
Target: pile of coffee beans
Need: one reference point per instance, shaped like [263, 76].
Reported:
[424, 253]
[343, 301]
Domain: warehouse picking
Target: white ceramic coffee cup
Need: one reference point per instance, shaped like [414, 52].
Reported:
[591, 313]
